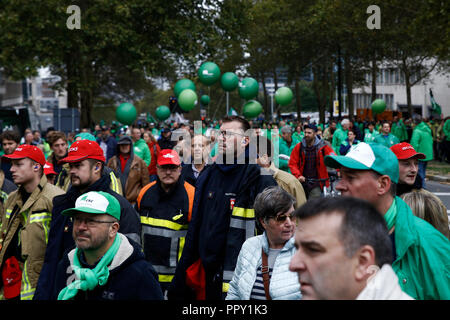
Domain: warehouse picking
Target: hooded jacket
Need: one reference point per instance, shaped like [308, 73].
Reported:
[135, 175]
[131, 277]
[422, 140]
[60, 235]
[297, 160]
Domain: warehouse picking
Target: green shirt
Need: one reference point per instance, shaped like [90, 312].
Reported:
[387, 141]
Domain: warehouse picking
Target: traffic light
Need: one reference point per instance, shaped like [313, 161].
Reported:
[174, 107]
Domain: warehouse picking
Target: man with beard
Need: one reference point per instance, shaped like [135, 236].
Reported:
[86, 162]
[307, 162]
[222, 216]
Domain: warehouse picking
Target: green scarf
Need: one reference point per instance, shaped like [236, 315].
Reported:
[88, 279]
[391, 215]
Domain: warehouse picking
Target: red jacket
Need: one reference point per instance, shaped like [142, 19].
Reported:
[297, 162]
[152, 166]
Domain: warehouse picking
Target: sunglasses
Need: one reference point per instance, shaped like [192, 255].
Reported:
[282, 217]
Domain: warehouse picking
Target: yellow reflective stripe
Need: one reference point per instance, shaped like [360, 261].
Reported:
[27, 291]
[41, 217]
[8, 213]
[243, 213]
[163, 223]
[181, 247]
[225, 286]
[165, 278]
[114, 182]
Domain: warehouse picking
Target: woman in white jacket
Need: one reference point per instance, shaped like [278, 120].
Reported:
[273, 210]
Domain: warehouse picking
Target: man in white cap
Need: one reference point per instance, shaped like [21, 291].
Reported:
[421, 253]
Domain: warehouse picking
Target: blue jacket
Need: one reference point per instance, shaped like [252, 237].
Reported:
[284, 284]
[111, 142]
[131, 277]
[222, 219]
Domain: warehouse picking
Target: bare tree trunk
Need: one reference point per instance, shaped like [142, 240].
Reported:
[71, 86]
[374, 78]
[297, 98]
[349, 84]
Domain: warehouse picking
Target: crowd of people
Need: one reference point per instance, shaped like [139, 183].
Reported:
[231, 209]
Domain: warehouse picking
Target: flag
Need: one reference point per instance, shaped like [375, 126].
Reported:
[232, 112]
[435, 107]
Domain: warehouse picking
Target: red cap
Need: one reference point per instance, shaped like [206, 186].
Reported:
[12, 278]
[48, 168]
[405, 151]
[27, 151]
[168, 156]
[84, 149]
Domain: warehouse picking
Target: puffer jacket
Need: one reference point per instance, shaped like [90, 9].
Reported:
[422, 140]
[32, 218]
[135, 175]
[284, 284]
[131, 277]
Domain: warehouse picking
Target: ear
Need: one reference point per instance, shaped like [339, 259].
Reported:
[245, 141]
[384, 184]
[263, 224]
[365, 260]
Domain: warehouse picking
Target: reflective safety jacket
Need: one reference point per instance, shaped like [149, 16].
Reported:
[31, 220]
[223, 218]
[164, 219]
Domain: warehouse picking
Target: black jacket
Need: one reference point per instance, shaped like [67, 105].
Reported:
[60, 235]
[131, 277]
[210, 237]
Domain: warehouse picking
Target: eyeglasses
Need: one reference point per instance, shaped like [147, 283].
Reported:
[229, 134]
[280, 218]
[89, 222]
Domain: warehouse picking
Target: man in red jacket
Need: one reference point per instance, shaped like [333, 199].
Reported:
[306, 162]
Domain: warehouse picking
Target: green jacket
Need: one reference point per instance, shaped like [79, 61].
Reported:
[399, 130]
[286, 150]
[370, 136]
[422, 140]
[446, 130]
[387, 141]
[339, 136]
[423, 256]
[142, 151]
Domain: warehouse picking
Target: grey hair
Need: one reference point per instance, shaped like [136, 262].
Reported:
[271, 201]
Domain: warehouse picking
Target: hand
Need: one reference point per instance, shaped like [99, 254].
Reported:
[301, 179]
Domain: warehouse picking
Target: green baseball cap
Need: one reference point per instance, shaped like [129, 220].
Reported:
[97, 202]
[367, 156]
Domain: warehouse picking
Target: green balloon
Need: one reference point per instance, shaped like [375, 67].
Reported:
[252, 109]
[283, 96]
[187, 99]
[378, 106]
[204, 99]
[248, 88]
[182, 85]
[126, 113]
[229, 81]
[209, 73]
[162, 112]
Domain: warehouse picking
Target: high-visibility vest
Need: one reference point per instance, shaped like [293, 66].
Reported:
[163, 235]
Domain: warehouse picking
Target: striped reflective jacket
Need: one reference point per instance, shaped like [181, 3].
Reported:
[165, 219]
[32, 222]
